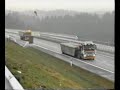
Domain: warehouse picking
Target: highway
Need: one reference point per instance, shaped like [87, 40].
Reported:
[103, 65]
[61, 38]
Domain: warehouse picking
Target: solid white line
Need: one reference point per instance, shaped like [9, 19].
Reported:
[25, 44]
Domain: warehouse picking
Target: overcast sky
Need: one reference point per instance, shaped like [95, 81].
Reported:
[77, 5]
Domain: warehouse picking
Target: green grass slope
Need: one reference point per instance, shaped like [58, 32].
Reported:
[40, 69]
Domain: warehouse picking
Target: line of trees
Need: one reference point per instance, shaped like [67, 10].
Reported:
[83, 25]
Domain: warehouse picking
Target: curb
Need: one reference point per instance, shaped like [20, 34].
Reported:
[12, 80]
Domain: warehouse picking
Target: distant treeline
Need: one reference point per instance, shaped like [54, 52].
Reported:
[84, 25]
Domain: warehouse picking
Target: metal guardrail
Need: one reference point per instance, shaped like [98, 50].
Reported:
[108, 43]
[37, 33]
[60, 35]
[74, 37]
[12, 80]
[105, 48]
[99, 46]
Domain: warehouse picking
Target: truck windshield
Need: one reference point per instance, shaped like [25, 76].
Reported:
[89, 47]
[87, 52]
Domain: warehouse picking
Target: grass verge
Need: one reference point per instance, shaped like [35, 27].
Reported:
[40, 69]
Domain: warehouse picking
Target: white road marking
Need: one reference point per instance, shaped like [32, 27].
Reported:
[25, 44]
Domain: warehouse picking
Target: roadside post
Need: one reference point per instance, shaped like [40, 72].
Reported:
[71, 62]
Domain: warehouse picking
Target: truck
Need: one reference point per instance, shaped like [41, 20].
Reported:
[26, 36]
[83, 50]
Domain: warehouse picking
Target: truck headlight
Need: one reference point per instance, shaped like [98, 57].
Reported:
[84, 55]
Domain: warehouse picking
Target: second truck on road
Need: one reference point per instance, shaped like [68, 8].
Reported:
[84, 50]
[26, 36]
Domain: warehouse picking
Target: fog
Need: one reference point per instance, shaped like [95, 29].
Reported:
[85, 25]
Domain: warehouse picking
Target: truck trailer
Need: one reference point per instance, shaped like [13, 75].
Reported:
[79, 50]
[26, 36]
